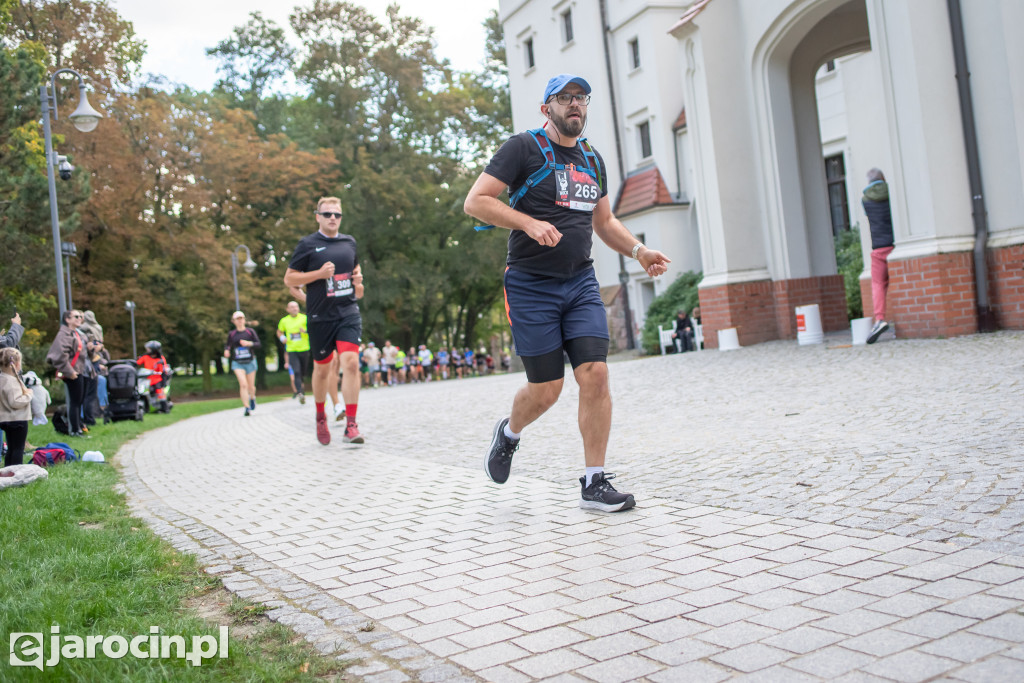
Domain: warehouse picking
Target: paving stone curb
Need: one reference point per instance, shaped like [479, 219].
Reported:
[374, 653]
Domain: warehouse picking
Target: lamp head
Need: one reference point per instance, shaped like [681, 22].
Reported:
[249, 265]
[85, 118]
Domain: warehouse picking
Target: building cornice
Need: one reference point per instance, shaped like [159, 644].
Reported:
[734, 277]
[654, 7]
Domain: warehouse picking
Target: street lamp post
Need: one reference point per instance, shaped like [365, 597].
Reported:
[249, 266]
[68, 249]
[628, 314]
[85, 119]
[130, 305]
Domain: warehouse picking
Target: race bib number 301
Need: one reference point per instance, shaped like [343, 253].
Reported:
[340, 285]
[576, 190]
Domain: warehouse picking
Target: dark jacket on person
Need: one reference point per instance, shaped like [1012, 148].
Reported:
[68, 352]
[876, 206]
[679, 325]
[13, 336]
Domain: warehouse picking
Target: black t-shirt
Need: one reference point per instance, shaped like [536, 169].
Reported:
[328, 299]
[242, 354]
[513, 164]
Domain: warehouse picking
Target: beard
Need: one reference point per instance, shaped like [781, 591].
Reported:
[570, 128]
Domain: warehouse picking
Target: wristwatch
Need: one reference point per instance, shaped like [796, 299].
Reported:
[636, 250]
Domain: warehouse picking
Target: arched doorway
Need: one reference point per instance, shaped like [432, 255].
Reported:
[798, 227]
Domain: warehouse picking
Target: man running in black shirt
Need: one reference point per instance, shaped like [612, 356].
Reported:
[327, 263]
[551, 293]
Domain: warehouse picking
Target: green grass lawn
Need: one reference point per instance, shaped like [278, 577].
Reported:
[72, 556]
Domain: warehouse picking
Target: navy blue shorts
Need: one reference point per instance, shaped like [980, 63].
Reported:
[544, 312]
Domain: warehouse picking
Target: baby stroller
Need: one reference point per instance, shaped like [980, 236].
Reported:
[124, 402]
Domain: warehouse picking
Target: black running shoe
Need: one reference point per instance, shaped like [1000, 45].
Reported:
[601, 495]
[498, 463]
[876, 331]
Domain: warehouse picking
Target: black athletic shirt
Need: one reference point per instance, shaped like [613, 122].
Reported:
[242, 354]
[517, 159]
[328, 300]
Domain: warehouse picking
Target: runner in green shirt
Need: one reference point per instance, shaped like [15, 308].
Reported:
[292, 332]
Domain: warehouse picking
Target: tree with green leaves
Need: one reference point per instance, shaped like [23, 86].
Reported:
[86, 35]
[253, 61]
[170, 183]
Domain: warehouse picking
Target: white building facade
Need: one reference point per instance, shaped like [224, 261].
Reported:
[724, 136]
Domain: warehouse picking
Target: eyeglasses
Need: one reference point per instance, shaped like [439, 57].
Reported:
[330, 214]
[565, 98]
[78, 317]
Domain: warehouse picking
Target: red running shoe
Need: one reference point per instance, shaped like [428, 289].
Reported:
[323, 435]
[352, 434]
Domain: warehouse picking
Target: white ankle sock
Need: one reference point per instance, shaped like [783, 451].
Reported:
[510, 434]
[591, 471]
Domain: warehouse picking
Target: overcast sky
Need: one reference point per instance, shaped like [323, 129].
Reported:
[178, 34]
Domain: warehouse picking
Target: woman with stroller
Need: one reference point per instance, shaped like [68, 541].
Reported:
[15, 406]
[239, 348]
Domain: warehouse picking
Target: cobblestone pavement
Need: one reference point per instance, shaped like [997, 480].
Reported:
[804, 513]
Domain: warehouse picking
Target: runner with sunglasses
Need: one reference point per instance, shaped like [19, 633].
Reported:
[327, 263]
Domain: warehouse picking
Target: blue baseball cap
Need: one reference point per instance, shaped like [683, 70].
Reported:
[557, 83]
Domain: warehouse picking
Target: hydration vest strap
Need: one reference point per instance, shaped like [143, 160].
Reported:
[540, 136]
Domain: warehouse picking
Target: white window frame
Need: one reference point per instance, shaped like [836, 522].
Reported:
[565, 27]
[633, 50]
[640, 128]
[526, 41]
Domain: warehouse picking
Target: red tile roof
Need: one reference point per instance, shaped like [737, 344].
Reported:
[680, 121]
[695, 9]
[643, 190]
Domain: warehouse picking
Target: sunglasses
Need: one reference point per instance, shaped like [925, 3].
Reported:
[330, 214]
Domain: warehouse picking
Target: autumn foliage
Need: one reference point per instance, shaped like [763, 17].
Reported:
[173, 180]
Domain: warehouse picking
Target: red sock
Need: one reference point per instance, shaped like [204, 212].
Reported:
[320, 409]
[350, 412]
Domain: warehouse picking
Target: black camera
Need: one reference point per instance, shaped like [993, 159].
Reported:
[65, 168]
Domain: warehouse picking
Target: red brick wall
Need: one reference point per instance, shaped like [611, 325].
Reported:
[828, 292]
[1006, 286]
[929, 296]
[866, 300]
[764, 310]
[747, 306]
[932, 296]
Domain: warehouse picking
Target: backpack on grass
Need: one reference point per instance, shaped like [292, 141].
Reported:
[54, 453]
